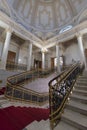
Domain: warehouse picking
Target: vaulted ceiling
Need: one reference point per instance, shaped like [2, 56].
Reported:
[45, 18]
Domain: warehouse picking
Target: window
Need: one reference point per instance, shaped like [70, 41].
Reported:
[65, 29]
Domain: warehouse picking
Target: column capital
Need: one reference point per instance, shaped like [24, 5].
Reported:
[79, 34]
[44, 50]
[9, 30]
[57, 43]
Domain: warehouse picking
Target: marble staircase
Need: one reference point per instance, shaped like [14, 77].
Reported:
[75, 112]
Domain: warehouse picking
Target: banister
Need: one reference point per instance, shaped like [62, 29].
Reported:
[57, 98]
[16, 91]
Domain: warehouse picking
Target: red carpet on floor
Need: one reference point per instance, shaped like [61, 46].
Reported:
[2, 90]
[16, 118]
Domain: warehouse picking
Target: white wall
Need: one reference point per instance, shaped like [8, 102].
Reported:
[72, 52]
[47, 61]
[23, 55]
[85, 43]
[1, 48]
[38, 56]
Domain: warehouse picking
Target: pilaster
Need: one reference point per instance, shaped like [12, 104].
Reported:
[6, 48]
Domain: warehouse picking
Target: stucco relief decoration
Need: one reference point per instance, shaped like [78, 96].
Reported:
[62, 12]
[44, 17]
[77, 3]
[25, 11]
[40, 15]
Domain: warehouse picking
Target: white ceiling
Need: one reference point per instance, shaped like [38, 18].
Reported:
[45, 18]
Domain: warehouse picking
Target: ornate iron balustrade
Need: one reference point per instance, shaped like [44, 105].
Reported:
[59, 90]
[16, 91]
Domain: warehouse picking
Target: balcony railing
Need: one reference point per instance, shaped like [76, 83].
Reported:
[15, 66]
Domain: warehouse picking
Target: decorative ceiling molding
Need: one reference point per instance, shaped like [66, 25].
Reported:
[37, 19]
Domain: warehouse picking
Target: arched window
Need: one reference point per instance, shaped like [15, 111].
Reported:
[65, 29]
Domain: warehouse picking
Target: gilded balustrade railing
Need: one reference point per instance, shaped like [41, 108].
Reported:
[16, 91]
[59, 91]
[15, 66]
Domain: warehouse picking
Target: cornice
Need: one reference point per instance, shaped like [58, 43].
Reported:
[9, 23]
[79, 28]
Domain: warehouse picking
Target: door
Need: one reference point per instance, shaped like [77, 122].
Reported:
[86, 55]
[52, 63]
[11, 56]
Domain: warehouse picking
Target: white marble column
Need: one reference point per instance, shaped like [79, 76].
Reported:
[17, 55]
[81, 48]
[43, 60]
[32, 61]
[5, 49]
[58, 58]
[29, 65]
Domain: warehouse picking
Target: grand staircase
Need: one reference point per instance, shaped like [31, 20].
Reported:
[75, 112]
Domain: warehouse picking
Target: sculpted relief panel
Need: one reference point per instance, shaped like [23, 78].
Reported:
[46, 14]
[44, 17]
[79, 4]
[24, 9]
[62, 12]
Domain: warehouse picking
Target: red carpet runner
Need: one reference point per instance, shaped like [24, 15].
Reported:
[16, 118]
[2, 90]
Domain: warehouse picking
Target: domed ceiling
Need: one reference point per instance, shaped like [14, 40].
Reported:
[45, 18]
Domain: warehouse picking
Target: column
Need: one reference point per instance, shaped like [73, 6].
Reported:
[58, 59]
[43, 60]
[29, 57]
[5, 49]
[32, 61]
[81, 48]
[17, 55]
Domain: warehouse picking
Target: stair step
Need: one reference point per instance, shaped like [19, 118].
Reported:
[83, 76]
[81, 87]
[46, 126]
[32, 126]
[81, 83]
[79, 98]
[64, 126]
[75, 113]
[80, 92]
[82, 79]
[42, 125]
[77, 106]
[75, 119]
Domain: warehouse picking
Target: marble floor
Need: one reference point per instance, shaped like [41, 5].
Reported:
[40, 84]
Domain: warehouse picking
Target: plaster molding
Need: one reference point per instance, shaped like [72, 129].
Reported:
[6, 22]
[79, 34]
[9, 30]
